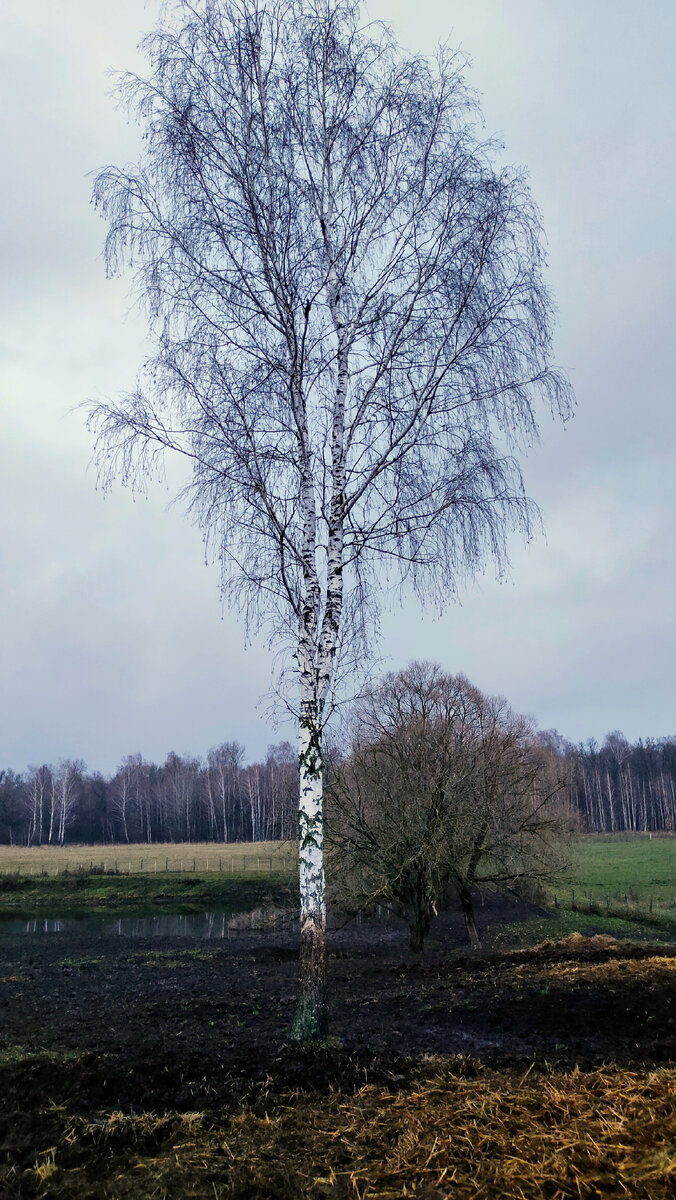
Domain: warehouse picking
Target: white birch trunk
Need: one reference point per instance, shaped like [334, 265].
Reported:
[310, 1021]
[52, 810]
[316, 655]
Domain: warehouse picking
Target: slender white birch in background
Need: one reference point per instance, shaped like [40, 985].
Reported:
[351, 330]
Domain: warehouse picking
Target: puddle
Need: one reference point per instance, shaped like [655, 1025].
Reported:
[217, 925]
[221, 924]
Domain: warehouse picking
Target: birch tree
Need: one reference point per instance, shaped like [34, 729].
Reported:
[352, 335]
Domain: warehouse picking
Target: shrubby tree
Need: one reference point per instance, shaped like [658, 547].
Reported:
[443, 789]
[351, 335]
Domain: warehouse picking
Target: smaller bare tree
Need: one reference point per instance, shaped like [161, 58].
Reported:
[38, 788]
[444, 788]
[224, 763]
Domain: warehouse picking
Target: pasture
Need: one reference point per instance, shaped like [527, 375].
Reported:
[233, 858]
[628, 876]
[636, 865]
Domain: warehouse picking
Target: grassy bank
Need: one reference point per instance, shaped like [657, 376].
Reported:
[560, 923]
[84, 893]
[164, 877]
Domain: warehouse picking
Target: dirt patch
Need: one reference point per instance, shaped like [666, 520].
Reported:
[127, 1063]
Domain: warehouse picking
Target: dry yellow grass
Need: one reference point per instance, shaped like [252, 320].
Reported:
[203, 857]
[501, 1136]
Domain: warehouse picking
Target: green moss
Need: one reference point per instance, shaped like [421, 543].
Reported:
[17, 1052]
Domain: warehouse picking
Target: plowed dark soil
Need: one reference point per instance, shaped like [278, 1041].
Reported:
[93, 1025]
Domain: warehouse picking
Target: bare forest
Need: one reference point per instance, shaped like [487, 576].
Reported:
[613, 787]
[184, 799]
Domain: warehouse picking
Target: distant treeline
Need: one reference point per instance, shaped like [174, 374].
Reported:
[184, 800]
[612, 788]
[620, 787]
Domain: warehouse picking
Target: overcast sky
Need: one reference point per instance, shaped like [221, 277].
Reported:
[113, 637]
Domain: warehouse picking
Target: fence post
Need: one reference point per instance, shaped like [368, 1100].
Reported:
[220, 862]
[572, 903]
[194, 865]
[166, 863]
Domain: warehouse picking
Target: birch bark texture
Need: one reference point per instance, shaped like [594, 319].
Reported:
[352, 335]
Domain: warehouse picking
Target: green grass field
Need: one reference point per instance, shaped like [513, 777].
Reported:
[628, 876]
[637, 865]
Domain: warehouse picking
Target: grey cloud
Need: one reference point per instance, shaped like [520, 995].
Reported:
[112, 633]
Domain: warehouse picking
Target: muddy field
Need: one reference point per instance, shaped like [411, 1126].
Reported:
[139, 1067]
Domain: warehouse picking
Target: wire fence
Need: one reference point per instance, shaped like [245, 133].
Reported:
[203, 859]
[648, 907]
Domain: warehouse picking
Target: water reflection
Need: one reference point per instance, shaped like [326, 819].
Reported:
[218, 925]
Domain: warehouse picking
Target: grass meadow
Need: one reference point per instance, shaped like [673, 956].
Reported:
[630, 877]
[236, 858]
[637, 866]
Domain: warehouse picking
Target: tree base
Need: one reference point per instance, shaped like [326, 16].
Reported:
[309, 1024]
[311, 1020]
[470, 922]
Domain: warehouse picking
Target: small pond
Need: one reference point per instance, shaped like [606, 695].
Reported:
[218, 925]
